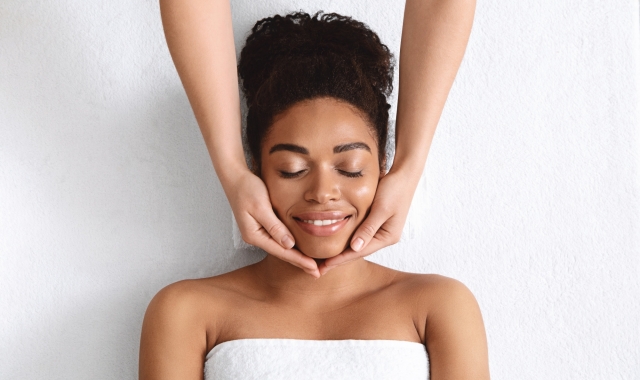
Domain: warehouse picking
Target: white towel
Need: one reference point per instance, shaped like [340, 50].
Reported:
[317, 359]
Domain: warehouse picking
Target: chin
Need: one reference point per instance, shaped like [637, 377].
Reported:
[322, 250]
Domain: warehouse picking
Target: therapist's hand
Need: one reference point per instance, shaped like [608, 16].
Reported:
[260, 226]
[383, 226]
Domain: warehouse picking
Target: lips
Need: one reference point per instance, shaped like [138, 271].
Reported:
[324, 223]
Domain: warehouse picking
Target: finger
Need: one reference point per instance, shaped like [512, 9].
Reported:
[349, 255]
[369, 227]
[323, 268]
[292, 256]
[344, 257]
[274, 227]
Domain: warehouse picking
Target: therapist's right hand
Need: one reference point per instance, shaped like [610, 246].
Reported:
[260, 226]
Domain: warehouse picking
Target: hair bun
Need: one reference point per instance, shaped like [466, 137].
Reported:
[277, 42]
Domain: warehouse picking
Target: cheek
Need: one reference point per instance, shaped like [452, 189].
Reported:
[366, 191]
[361, 195]
[282, 194]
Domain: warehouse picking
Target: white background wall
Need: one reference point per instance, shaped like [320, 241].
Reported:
[530, 195]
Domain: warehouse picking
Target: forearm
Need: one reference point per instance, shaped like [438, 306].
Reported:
[434, 37]
[200, 38]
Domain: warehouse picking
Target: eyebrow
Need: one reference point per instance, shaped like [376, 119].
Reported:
[302, 150]
[290, 147]
[351, 146]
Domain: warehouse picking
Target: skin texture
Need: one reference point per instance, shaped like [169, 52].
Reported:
[274, 299]
[200, 38]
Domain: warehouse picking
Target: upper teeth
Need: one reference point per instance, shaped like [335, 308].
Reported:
[322, 222]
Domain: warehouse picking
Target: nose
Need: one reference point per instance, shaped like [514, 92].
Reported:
[322, 187]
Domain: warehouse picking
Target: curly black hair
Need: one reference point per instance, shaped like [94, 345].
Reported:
[297, 57]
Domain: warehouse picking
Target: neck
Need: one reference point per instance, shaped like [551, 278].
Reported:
[285, 280]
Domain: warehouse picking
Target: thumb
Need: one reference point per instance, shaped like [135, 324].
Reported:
[368, 228]
[275, 228]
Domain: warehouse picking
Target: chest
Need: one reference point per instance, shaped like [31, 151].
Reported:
[383, 316]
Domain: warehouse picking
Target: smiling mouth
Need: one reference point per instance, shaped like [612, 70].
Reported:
[323, 222]
[326, 226]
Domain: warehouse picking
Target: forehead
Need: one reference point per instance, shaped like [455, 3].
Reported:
[322, 121]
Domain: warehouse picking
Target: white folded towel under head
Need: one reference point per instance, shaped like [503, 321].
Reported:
[317, 359]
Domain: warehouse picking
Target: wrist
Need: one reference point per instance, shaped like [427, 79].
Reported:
[231, 171]
[414, 135]
[410, 167]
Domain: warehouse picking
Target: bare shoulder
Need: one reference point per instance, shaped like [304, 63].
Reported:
[179, 299]
[434, 290]
[181, 324]
[439, 299]
[447, 301]
[196, 306]
[452, 325]
[177, 309]
[448, 320]
[196, 297]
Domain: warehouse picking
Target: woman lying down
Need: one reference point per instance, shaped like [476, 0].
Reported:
[316, 88]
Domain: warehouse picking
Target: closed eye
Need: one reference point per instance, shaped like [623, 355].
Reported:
[284, 174]
[351, 174]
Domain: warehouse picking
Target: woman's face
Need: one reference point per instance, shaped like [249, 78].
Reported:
[320, 165]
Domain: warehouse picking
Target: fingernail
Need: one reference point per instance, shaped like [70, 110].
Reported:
[287, 242]
[357, 245]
